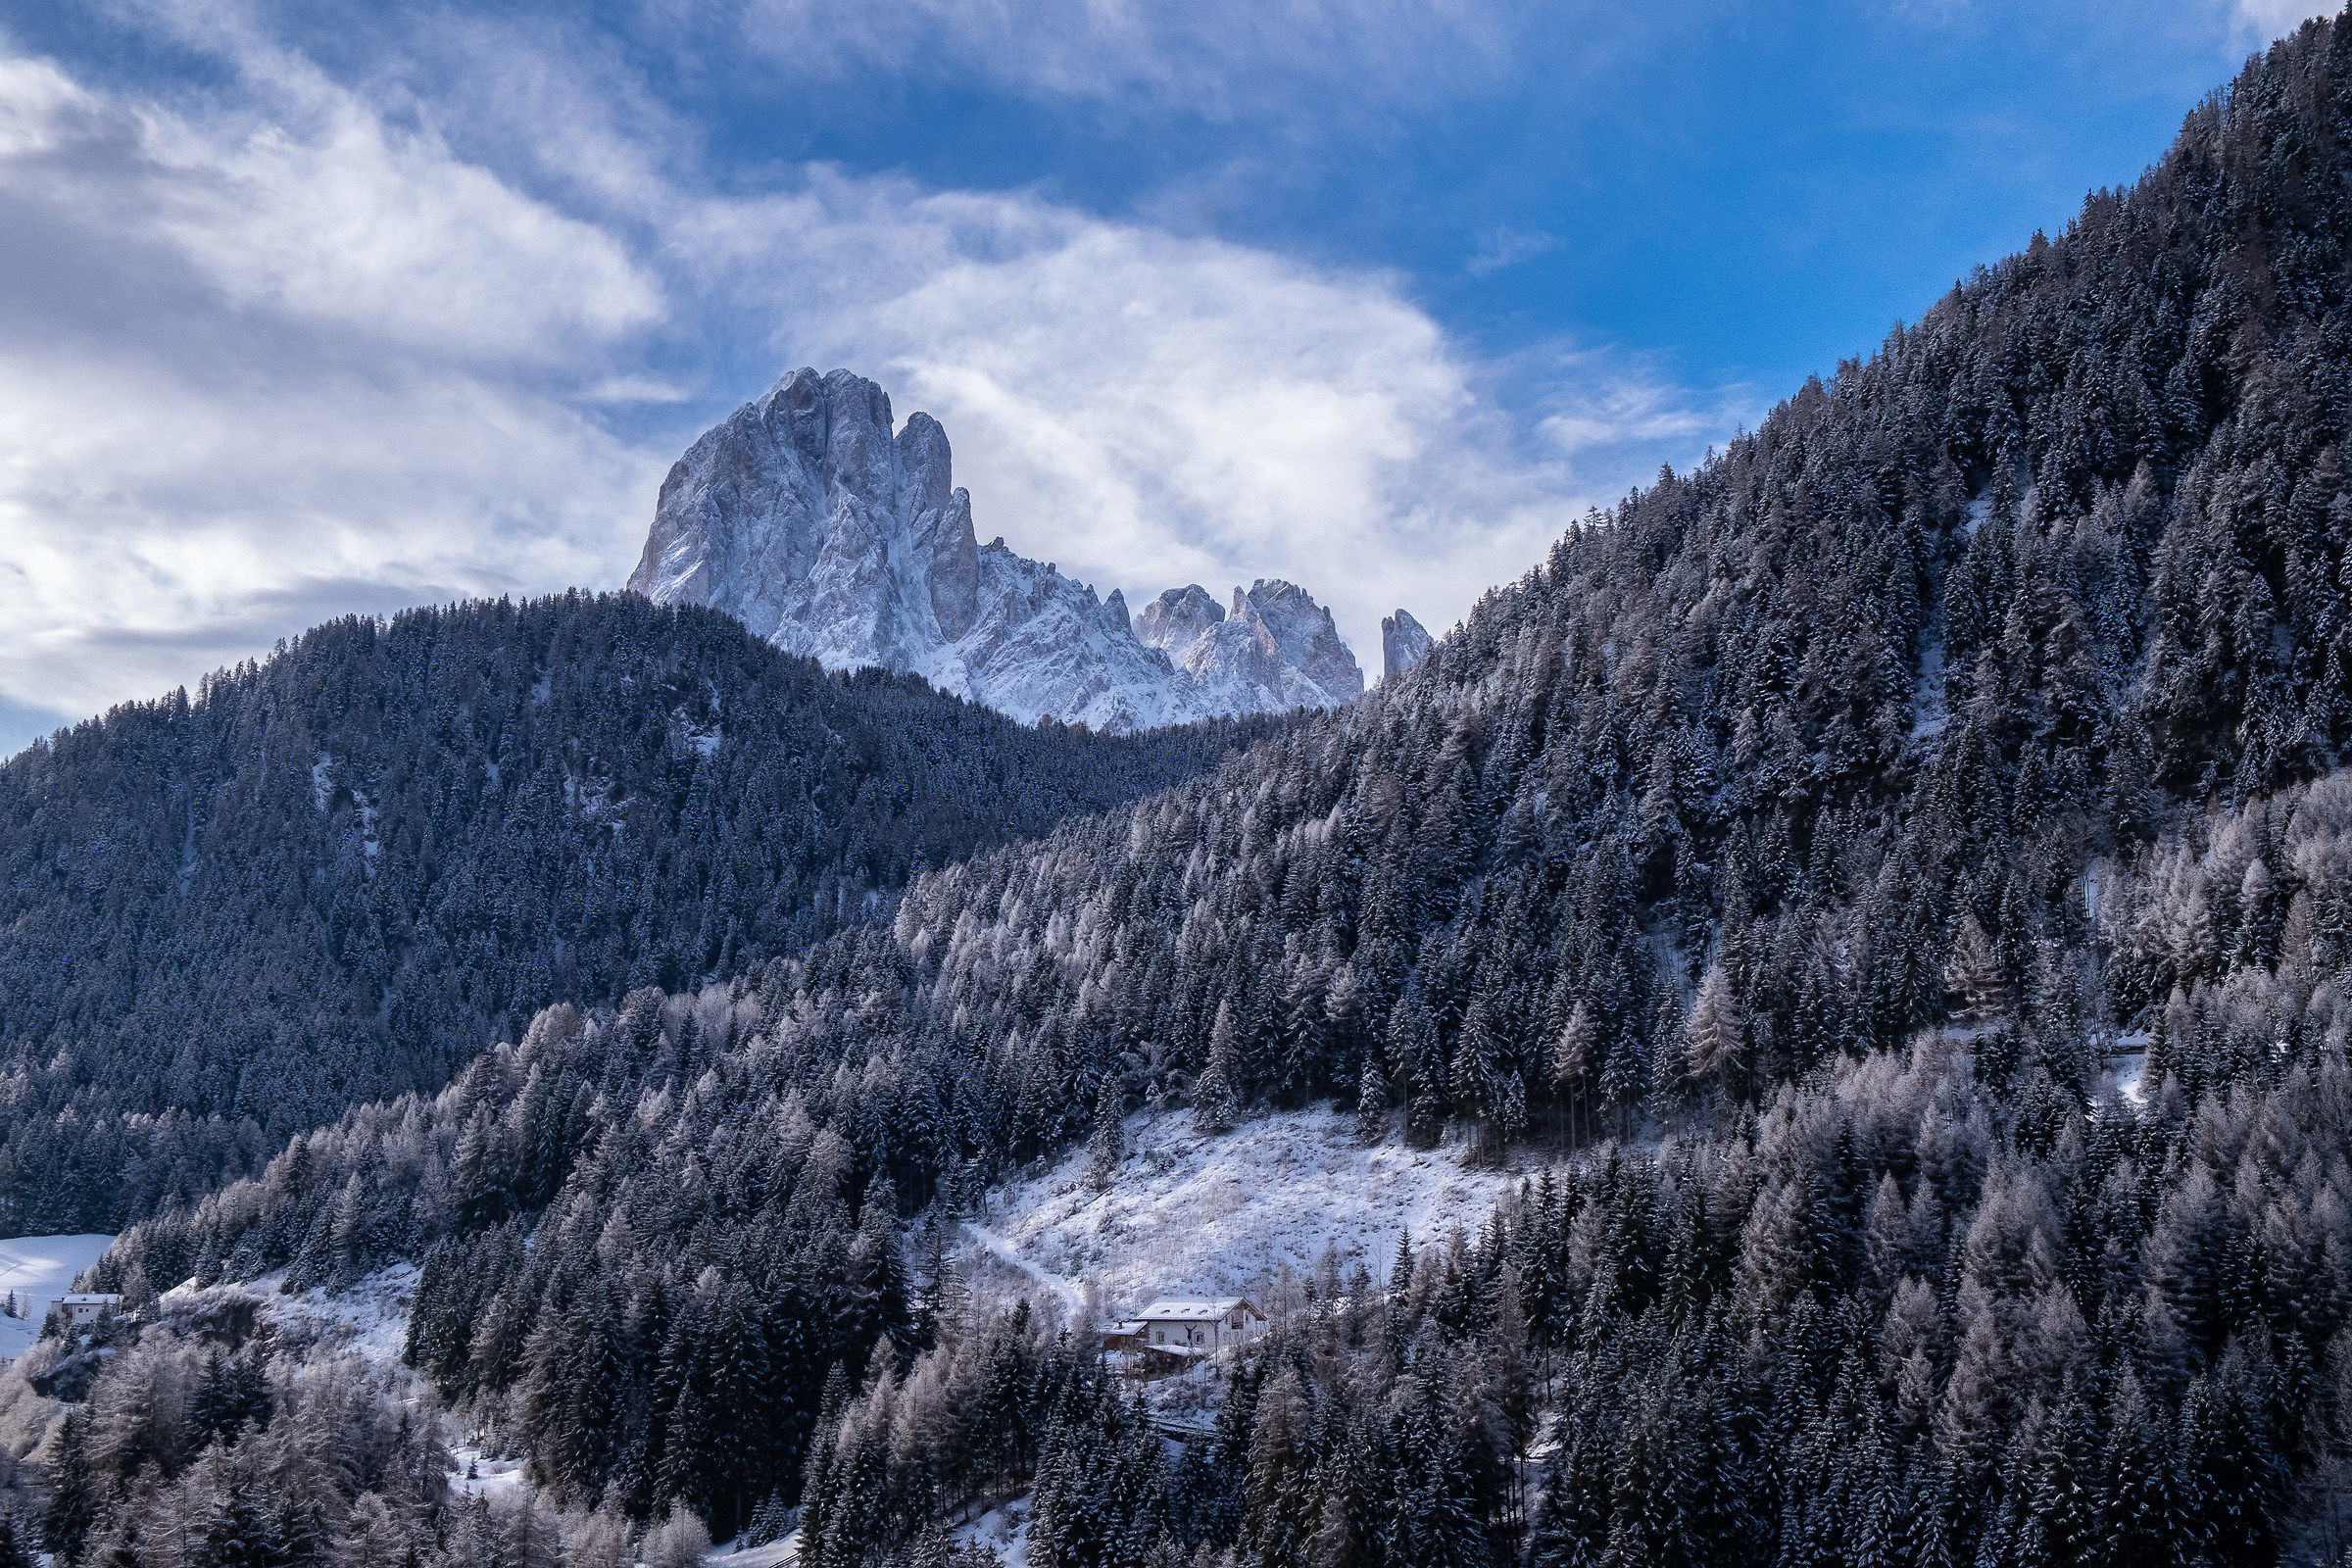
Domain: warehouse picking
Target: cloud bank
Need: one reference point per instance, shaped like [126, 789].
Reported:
[261, 368]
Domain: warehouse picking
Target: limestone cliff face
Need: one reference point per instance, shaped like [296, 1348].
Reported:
[806, 517]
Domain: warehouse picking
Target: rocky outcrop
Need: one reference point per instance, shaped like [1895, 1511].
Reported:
[1276, 648]
[806, 517]
[1402, 643]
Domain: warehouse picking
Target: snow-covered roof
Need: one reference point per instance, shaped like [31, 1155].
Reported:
[91, 1300]
[1182, 1310]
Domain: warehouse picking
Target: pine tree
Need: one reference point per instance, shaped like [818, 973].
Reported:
[73, 1501]
[235, 1531]
[15, 1549]
[1572, 1051]
[1974, 972]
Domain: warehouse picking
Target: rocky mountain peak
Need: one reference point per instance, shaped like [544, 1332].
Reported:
[807, 516]
[1178, 618]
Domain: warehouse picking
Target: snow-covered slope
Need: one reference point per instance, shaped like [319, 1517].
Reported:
[1192, 1216]
[806, 516]
[36, 1270]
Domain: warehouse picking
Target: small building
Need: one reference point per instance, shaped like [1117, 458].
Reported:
[1188, 1327]
[78, 1311]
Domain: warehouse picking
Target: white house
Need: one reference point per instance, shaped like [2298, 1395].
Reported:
[78, 1310]
[1189, 1327]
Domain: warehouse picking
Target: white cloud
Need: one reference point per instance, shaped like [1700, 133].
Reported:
[2254, 23]
[1213, 55]
[1505, 246]
[1146, 409]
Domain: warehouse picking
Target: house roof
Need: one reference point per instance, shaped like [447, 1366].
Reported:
[91, 1300]
[1179, 1309]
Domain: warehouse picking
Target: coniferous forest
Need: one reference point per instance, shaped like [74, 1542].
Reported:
[343, 871]
[1894, 880]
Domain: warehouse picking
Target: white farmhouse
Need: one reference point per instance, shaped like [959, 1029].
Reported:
[1189, 1327]
[78, 1311]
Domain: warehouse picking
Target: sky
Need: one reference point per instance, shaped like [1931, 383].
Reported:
[322, 309]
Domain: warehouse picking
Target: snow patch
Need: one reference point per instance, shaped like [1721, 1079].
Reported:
[476, 1475]
[2126, 1074]
[777, 1552]
[1004, 1531]
[1928, 716]
[998, 1247]
[2132, 1079]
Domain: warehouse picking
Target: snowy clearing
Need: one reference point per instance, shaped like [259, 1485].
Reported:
[1004, 1531]
[477, 1476]
[1190, 1216]
[2126, 1071]
[997, 1247]
[39, 1270]
[370, 1318]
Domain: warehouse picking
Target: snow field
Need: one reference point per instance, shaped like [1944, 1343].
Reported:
[1193, 1215]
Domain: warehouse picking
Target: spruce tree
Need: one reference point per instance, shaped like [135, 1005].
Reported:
[1216, 1096]
[1108, 1144]
[1371, 1101]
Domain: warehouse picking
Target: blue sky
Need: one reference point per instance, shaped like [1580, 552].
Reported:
[315, 310]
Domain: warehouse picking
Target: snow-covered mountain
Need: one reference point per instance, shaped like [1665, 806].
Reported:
[806, 517]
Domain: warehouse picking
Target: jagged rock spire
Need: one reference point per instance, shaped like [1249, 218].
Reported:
[806, 517]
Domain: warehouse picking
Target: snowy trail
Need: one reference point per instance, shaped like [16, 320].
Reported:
[1005, 1250]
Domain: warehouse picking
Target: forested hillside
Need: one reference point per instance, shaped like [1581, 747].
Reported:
[1804, 848]
[345, 870]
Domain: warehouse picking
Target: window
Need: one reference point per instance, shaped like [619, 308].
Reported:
[1159, 1337]
[1237, 1320]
